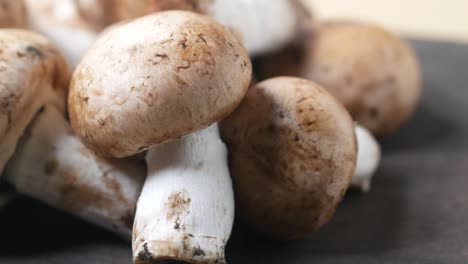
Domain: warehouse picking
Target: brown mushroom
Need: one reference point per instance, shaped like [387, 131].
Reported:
[370, 70]
[160, 83]
[292, 153]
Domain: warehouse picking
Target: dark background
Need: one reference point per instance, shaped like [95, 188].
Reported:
[416, 212]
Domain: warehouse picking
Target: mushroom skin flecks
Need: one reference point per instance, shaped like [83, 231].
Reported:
[292, 154]
[141, 85]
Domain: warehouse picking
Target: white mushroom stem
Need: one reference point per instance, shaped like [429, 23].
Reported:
[264, 25]
[186, 208]
[368, 159]
[51, 164]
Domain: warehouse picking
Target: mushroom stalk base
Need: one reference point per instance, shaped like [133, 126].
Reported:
[368, 159]
[186, 209]
[52, 165]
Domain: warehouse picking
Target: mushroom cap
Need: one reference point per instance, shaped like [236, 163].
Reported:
[13, 14]
[155, 79]
[372, 72]
[32, 73]
[292, 154]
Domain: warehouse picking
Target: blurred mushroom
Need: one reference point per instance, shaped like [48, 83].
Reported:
[368, 159]
[292, 153]
[50, 163]
[62, 23]
[371, 71]
[13, 14]
[142, 85]
[264, 25]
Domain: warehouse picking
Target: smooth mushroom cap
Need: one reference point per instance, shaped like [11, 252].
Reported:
[371, 71]
[13, 14]
[292, 153]
[32, 72]
[155, 79]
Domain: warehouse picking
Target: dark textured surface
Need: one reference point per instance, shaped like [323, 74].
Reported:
[417, 211]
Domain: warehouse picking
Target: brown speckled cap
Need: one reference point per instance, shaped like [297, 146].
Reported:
[32, 73]
[13, 14]
[155, 79]
[292, 153]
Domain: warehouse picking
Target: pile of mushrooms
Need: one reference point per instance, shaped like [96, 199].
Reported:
[110, 82]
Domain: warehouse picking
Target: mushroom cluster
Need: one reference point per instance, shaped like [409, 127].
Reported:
[145, 117]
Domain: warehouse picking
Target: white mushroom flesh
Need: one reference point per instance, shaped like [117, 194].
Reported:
[264, 25]
[186, 208]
